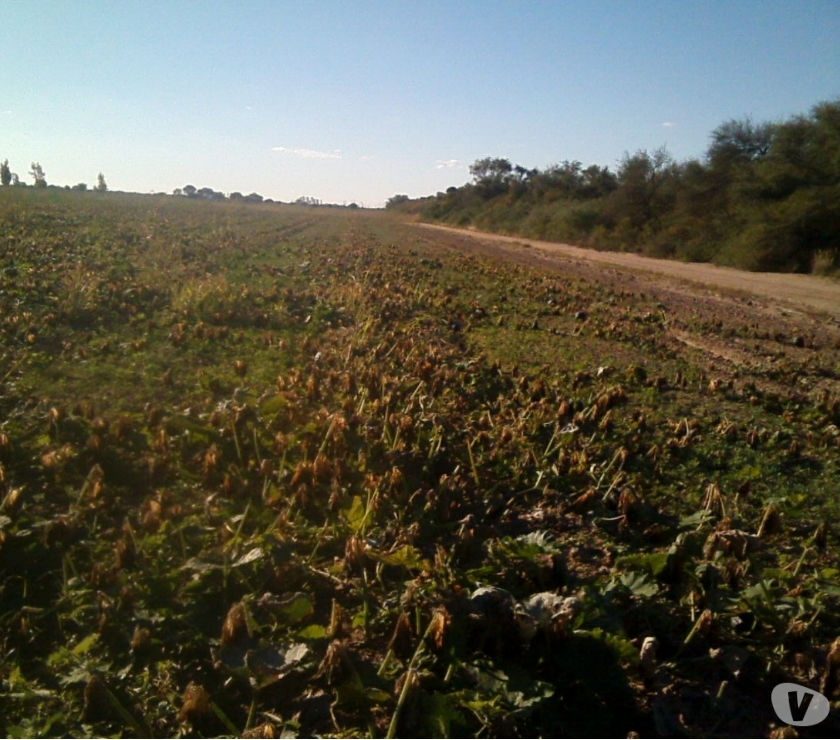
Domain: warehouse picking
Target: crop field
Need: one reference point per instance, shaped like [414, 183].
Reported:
[273, 471]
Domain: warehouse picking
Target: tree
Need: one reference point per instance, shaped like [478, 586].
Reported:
[210, 194]
[491, 175]
[642, 196]
[396, 200]
[101, 185]
[5, 173]
[38, 175]
[597, 181]
[190, 191]
[523, 174]
[797, 191]
[805, 152]
[490, 168]
[565, 177]
[743, 141]
[80, 187]
[736, 149]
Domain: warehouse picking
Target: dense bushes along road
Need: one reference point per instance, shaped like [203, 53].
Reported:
[765, 197]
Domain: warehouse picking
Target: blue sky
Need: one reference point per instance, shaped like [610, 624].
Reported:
[358, 101]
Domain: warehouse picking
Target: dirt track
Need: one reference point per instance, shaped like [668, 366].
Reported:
[800, 291]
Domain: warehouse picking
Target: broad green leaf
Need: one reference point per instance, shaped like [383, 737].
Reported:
[86, 644]
[407, 556]
[313, 632]
[623, 647]
[638, 583]
[356, 514]
[654, 563]
[273, 405]
[298, 608]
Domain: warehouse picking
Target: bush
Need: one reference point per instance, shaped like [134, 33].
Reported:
[826, 262]
[767, 197]
[766, 247]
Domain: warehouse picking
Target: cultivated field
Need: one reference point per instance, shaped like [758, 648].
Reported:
[292, 471]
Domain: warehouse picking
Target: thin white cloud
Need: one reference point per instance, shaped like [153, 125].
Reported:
[668, 124]
[308, 153]
[447, 164]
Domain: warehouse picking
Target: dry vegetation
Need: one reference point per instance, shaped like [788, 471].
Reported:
[271, 471]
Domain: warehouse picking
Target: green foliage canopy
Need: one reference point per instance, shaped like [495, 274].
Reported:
[765, 196]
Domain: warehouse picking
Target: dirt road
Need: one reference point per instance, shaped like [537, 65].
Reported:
[800, 291]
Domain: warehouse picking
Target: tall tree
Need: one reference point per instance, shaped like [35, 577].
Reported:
[38, 175]
[101, 185]
[5, 173]
[642, 196]
[740, 141]
[491, 175]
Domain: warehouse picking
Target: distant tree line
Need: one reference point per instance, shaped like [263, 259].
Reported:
[307, 200]
[190, 191]
[765, 196]
[39, 179]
